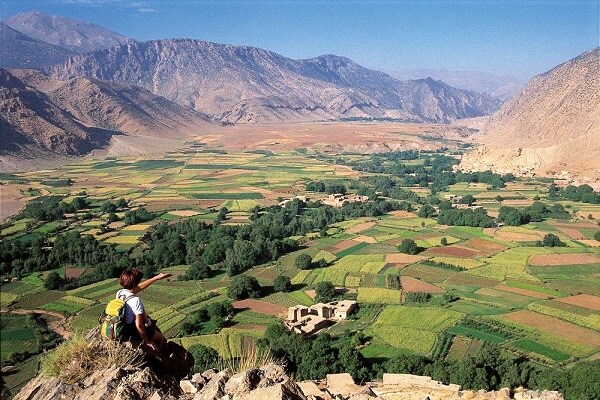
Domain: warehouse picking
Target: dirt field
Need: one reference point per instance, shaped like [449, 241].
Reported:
[583, 300]
[524, 292]
[517, 237]
[363, 137]
[485, 246]
[401, 258]
[10, 201]
[563, 259]
[403, 214]
[260, 307]
[453, 251]
[340, 246]
[555, 326]
[591, 243]
[526, 202]
[361, 227]
[184, 213]
[415, 285]
[365, 239]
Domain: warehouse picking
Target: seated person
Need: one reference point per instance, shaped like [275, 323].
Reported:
[138, 326]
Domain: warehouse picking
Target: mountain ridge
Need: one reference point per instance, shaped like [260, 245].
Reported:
[245, 84]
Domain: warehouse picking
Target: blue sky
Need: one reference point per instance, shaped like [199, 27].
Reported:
[521, 38]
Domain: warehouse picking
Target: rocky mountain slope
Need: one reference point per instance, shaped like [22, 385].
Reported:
[70, 34]
[552, 125]
[247, 84]
[267, 383]
[30, 122]
[117, 106]
[76, 116]
[18, 50]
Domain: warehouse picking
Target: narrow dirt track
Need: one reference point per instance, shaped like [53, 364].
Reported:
[61, 326]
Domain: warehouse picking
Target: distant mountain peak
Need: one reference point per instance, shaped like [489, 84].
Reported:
[70, 34]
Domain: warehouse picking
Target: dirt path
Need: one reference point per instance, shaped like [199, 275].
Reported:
[61, 326]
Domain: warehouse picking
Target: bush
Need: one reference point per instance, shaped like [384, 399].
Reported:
[303, 261]
[243, 287]
[282, 284]
[444, 241]
[597, 235]
[408, 246]
[53, 281]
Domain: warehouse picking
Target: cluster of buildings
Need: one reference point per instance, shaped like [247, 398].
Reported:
[309, 320]
[338, 199]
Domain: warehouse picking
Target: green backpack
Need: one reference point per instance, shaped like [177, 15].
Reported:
[112, 320]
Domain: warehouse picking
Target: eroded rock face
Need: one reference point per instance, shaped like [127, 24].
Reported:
[267, 383]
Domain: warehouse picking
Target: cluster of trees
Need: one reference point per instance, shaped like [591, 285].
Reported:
[536, 212]
[329, 187]
[138, 216]
[325, 292]
[490, 368]
[582, 193]
[465, 217]
[51, 208]
[208, 319]
[243, 287]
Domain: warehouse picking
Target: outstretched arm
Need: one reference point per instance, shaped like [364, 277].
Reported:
[143, 285]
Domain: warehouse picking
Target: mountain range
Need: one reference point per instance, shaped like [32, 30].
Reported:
[551, 126]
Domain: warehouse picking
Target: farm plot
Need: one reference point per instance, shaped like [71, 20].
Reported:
[462, 347]
[413, 285]
[16, 334]
[531, 346]
[563, 259]
[583, 300]
[401, 258]
[37, 300]
[453, 251]
[478, 334]
[554, 326]
[484, 246]
[379, 295]
[428, 273]
[260, 307]
[574, 314]
[466, 263]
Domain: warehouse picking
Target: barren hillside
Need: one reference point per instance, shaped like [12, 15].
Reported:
[552, 125]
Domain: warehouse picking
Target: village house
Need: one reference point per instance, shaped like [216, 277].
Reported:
[309, 320]
[302, 199]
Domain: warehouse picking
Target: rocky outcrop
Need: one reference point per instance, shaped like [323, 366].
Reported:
[267, 383]
[539, 130]
[241, 84]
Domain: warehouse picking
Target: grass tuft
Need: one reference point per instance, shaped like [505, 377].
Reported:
[76, 358]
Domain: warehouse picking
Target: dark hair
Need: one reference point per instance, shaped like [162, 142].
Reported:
[130, 278]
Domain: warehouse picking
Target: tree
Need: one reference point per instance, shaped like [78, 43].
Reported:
[204, 358]
[408, 246]
[444, 241]
[243, 287]
[53, 281]
[325, 291]
[597, 235]
[468, 199]
[282, 284]
[551, 240]
[198, 270]
[426, 211]
[303, 261]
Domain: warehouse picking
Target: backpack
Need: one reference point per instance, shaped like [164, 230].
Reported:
[112, 320]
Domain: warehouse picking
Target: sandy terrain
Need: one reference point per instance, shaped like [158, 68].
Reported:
[583, 300]
[563, 259]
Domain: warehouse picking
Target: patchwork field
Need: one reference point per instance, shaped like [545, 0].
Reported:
[466, 286]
